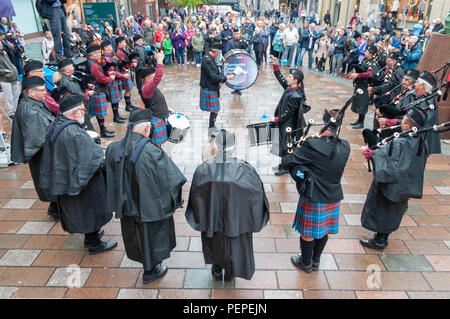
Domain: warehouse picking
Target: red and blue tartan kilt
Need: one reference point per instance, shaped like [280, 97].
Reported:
[209, 100]
[129, 84]
[159, 135]
[98, 104]
[316, 219]
[114, 92]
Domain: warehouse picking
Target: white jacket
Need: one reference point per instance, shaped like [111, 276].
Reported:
[290, 37]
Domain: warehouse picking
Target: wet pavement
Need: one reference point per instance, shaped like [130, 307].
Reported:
[35, 252]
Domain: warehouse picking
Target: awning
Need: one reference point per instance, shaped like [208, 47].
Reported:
[7, 9]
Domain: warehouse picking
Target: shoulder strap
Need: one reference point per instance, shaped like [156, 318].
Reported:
[137, 151]
[59, 129]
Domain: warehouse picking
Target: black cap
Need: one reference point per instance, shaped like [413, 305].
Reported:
[144, 72]
[225, 139]
[371, 48]
[120, 39]
[136, 37]
[107, 66]
[394, 55]
[32, 81]
[139, 116]
[70, 101]
[32, 65]
[133, 55]
[105, 44]
[64, 63]
[297, 74]
[429, 78]
[327, 115]
[216, 47]
[92, 48]
[412, 73]
[417, 116]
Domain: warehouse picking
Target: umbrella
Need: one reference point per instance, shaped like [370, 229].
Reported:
[7, 9]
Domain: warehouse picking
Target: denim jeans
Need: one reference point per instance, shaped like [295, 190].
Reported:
[337, 63]
[288, 53]
[179, 53]
[198, 57]
[58, 24]
[168, 58]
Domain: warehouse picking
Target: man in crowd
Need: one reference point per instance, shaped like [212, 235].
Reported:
[55, 12]
[9, 82]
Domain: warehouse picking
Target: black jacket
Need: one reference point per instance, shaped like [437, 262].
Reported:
[47, 11]
[325, 170]
[210, 75]
[395, 80]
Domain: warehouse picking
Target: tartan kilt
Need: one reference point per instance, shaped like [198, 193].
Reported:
[316, 219]
[159, 135]
[209, 100]
[98, 104]
[129, 84]
[114, 92]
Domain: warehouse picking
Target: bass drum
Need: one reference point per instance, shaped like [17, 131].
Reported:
[243, 65]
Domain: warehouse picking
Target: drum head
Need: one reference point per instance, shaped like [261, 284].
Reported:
[241, 62]
[179, 120]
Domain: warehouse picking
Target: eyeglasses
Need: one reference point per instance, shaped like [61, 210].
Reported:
[40, 90]
[83, 109]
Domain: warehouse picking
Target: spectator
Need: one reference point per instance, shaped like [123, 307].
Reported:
[147, 33]
[338, 55]
[178, 40]
[9, 82]
[4, 27]
[198, 44]
[370, 23]
[417, 28]
[310, 36]
[312, 18]
[278, 46]
[265, 32]
[273, 31]
[321, 54]
[47, 47]
[303, 14]
[438, 26]
[168, 48]
[226, 35]
[412, 58]
[257, 42]
[159, 37]
[18, 33]
[55, 12]
[426, 38]
[290, 38]
[397, 41]
[391, 24]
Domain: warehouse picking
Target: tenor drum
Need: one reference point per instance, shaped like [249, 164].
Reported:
[243, 65]
[261, 133]
[95, 136]
[178, 127]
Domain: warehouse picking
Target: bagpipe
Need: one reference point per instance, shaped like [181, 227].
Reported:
[435, 92]
[292, 142]
[445, 68]
[76, 44]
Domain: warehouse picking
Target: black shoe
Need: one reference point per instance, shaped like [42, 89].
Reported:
[354, 123]
[118, 119]
[54, 213]
[104, 246]
[216, 272]
[106, 133]
[372, 244]
[315, 264]
[227, 276]
[157, 273]
[358, 126]
[130, 108]
[281, 172]
[297, 262]
[99, 234]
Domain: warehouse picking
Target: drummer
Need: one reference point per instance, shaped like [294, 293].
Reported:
[237, 43]
[210, 80]
[153, 99]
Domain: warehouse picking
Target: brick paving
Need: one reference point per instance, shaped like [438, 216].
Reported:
[35, 252]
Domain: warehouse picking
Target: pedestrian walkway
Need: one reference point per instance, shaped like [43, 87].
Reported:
[35, 252]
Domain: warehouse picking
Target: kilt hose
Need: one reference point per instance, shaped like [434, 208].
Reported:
[114, 92]
[316, 219]
[209, 100]
[129, 84]
[98, 104]
[159, 131]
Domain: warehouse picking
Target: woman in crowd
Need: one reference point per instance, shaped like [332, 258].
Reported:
[189, 33]
[278, 42]
[159, 36]
[198, 45]
[322, 51]
[179, 44]
[47, 47]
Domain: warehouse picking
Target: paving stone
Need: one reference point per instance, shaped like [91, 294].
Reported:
[202, 279]
[381, 295]
[297, 279]
[13, 241]
[19, 257]
[128, 263]
[184, 294]
[444, 190]
[173, 279]
[344, 246]
[288, 207]
[23, 276]
[291, 232]
[406, 263]
[92, 293]
[428, 295]
[108, 259]
[39, 293]
[415, 210]
[352, 280]
[261, 279]
[404, 281]
[429, 232]
[59, 258]
[357, 262]
[354, 198]
[9, 227]
[45, 242]
[439, 262]
[36, 228]
[137, 293]
[283, 294]
[328, 294]
[7, 292]
[28, 185]
[447, 242]
[19, 203]
[112, 278]
[436, 221]
[195, 244]
[421, 247]
[71, 277]
[237, 294]
[439, 281]
[353, 219]
[74, 242]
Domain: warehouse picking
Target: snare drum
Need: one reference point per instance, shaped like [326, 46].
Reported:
[261, 133]
[179, 127]
[243, 66]
[95, 136]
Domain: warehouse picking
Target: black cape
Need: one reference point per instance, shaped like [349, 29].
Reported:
[144, 196]
[227, 203]
[433, 138]
[71, 170]
[360, 103]
[398, 176]
[30, 125]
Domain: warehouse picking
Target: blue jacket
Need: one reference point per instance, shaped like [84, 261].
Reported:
[412, 58]
[417, 28]
[339, 45]
[305, 41]
[396, 43]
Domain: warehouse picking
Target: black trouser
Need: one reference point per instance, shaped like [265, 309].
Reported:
[92, 238]
[190, 54]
